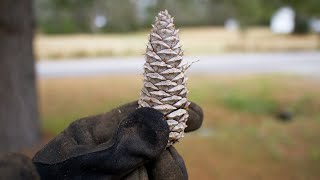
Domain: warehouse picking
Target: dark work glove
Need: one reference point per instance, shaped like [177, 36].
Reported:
[111, 146]
[170, 165]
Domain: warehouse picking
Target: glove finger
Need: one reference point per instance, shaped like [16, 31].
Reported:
[138, 174]
[92, 130]
[195, 117]
[141, 136]
[168, 166]
[194, 121]
[105, 128]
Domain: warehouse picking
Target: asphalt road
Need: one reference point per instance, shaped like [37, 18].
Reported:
[298, 63]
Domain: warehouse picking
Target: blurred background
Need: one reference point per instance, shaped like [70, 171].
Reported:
[258, 78]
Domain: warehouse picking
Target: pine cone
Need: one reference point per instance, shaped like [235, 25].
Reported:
[164, 86]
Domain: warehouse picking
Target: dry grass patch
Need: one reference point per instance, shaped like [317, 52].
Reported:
[206, 40]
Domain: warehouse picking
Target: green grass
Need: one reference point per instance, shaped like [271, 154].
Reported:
[248, 103]
[240, 138]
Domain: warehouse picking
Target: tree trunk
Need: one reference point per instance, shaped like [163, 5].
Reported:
[19, 125]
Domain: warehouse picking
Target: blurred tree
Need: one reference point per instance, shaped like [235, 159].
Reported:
[69, 16]
[19, 126]
[121, 15]
[248, 11]
[77, 16]
[64, 16]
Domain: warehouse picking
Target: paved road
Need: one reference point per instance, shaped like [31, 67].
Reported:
[300, 63]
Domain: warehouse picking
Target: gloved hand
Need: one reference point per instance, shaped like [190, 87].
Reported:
[170, 165]
[127, 143]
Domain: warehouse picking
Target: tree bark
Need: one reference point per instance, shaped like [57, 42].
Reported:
[19, 125]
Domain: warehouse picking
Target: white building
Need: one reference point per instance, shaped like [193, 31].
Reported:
[283, 21]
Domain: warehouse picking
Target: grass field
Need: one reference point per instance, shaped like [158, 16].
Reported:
[240, 138]
[205, 40]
